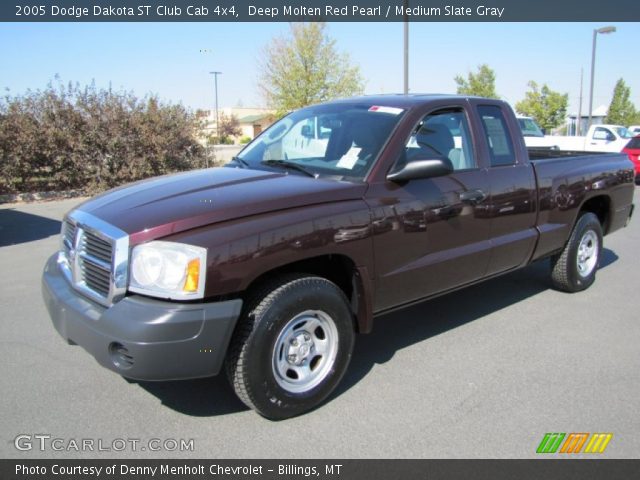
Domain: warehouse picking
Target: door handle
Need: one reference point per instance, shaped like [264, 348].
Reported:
[472, 197]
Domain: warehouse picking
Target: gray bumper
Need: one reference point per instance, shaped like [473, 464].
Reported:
[142, 338]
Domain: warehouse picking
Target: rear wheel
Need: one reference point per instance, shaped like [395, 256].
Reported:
[575, 268]
[292, 346]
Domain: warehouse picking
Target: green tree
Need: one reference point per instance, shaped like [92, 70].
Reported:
[304, 68]
[621, 110]
[547, 107]
[481, 84]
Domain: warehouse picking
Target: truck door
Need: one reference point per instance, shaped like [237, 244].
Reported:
[428, 235]
[512, 204]
[602, 136]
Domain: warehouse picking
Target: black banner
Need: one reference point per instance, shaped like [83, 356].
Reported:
[323, 469]
[314, 10]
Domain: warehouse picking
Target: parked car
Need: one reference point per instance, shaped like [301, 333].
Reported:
[267, 268]
[632, 149]
[634, 129]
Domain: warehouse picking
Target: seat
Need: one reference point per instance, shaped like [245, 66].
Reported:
[435, 139]
[458, 159]
[338, 144]
[364, 138]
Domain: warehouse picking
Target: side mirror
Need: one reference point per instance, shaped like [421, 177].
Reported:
[610, 137]
[422, 168]
[544, 131]
[306, 131]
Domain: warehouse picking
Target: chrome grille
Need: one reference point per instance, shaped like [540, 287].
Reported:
[94, 257]
[68, 235]
[95, 277]
[97, 248]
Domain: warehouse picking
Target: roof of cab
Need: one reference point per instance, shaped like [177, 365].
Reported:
[401, 100]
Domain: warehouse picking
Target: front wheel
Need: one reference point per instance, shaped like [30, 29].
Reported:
[292, 346]
[575, 268]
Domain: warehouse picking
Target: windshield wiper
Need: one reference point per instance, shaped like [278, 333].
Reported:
[241, 161]
[289, 165]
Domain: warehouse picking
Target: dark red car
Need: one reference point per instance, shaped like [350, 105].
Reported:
[633, 150]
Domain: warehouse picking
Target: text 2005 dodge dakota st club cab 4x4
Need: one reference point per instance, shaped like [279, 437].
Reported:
[268, 267]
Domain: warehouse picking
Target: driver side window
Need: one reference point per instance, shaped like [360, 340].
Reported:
[603, 134]
[444, 133]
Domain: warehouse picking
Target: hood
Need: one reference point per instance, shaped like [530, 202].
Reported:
[171, 204]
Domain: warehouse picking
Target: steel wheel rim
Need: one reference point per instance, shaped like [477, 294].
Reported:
[305, 351]
[587, 253]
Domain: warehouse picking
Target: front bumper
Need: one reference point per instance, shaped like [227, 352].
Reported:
[142, 338]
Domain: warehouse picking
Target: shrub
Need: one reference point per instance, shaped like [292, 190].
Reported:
[72, 137]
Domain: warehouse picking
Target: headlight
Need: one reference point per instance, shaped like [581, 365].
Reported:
[168, 270]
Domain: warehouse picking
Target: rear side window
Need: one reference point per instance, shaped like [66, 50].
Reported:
[634, 143]
[497, 134]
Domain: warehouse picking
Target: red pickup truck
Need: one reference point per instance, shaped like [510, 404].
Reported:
[269, 267]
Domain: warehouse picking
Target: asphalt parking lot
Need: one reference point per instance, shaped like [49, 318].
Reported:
[484, 372]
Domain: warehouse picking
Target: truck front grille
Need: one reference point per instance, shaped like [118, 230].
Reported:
[97, 248]
[68, 235]
[95, 277]
[94, 257]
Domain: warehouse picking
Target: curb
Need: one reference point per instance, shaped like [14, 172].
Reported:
[38, 196]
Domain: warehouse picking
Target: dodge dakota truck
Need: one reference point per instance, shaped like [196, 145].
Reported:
[267, 268]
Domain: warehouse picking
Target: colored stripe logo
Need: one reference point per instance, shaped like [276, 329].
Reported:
[598, 442]
[573, 442]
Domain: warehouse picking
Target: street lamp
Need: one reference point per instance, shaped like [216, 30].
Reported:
[608, 29]
[215, 76]
[406, 49]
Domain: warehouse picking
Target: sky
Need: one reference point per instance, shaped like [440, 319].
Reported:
[166, 58]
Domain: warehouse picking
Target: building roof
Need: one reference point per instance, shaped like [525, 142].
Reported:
[254, 118]
[600, 111]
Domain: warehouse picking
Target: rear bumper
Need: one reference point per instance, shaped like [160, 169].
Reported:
[142, 338]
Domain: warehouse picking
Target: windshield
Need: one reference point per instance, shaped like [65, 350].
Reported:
[336, 140]
[530, 128]
[623, 132]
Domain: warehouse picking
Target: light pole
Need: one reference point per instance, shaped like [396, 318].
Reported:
[579, 117]
[608, 29]
[406, 49]
[215, 81]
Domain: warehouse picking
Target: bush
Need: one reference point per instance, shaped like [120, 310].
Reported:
[244, 140]
[72, 137]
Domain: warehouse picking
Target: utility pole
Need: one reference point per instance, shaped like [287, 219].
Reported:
[215, 77]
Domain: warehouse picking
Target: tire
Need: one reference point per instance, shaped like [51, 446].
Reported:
[575, 268]
[292, 346]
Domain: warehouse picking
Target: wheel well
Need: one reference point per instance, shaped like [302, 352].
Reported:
[338, 269]
[600, 206]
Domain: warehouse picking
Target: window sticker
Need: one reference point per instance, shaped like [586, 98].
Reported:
[349, 159]
[391, 110]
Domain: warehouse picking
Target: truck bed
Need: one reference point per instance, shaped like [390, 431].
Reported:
[569, 179]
